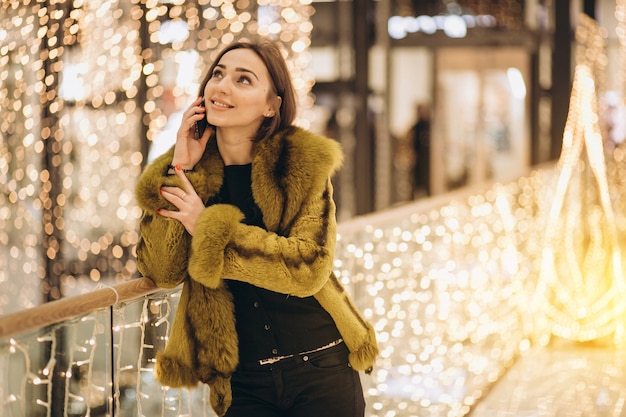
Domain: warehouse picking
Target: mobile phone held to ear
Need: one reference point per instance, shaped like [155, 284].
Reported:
[201, 125]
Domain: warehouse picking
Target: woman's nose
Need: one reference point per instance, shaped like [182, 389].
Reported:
[223, 86]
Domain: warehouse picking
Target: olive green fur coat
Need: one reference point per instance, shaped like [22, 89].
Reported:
[291, 185]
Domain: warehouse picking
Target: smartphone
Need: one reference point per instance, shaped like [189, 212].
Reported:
[201, 125]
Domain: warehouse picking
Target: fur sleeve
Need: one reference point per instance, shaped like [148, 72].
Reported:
[163, 246]
[298, 263]
[162, 250]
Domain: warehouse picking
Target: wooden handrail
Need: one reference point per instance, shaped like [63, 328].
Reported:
[67, 308]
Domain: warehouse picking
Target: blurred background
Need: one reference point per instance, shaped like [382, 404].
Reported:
[425, 96]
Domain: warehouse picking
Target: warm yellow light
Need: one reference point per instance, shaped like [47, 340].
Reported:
[581, 282]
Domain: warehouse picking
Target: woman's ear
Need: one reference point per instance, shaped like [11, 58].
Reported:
[270, 112]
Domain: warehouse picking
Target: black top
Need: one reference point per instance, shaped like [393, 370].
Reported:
[269, 323]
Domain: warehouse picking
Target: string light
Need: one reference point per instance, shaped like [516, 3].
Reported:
[444, 289]
[85, 89]
[448, 288]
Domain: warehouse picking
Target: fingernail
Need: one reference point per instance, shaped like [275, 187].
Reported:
[178, 167]
[159, 211]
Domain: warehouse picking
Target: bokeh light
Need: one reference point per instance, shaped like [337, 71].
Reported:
[86, 89]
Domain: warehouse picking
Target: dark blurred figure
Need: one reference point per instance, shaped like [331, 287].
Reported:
[419, 135]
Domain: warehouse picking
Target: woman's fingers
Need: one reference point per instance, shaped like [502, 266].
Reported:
[173, 194]
[194, 112]
[188, 188]
[170, 192]
[197, 110]
[185, 199]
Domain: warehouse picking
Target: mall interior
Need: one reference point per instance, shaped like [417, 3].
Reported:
[481, 205]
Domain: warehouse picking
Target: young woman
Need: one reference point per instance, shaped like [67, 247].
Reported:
[244, 218]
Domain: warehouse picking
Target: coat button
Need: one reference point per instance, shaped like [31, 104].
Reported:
[266, 327]
[305, 358]
[274, 351]
[256, 304]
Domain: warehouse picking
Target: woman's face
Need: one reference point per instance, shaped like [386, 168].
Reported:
[236, 95]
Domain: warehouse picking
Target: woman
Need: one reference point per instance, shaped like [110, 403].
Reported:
[244, 218]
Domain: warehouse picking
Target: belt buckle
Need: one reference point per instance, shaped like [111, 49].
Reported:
[270, 361]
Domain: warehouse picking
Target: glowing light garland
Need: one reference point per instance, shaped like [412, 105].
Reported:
[85, 88]
[581, 283]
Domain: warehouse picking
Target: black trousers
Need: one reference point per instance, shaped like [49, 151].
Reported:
[321, 384]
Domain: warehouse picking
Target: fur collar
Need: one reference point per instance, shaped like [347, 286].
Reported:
[286, 169]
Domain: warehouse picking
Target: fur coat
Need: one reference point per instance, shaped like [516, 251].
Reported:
[291, 185]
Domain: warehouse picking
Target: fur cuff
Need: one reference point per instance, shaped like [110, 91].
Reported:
[155, 176]
[363, 358]
[151, 180]
[172, 373]
[213, 232]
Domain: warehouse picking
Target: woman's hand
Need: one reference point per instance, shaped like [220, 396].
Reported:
[189, 150]
[187, 201]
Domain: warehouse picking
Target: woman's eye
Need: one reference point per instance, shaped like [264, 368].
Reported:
[216, 74]
[244, 80]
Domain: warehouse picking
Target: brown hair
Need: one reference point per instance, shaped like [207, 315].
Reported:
[271, 55]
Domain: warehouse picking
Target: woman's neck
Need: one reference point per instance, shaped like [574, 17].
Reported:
[234, 147]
